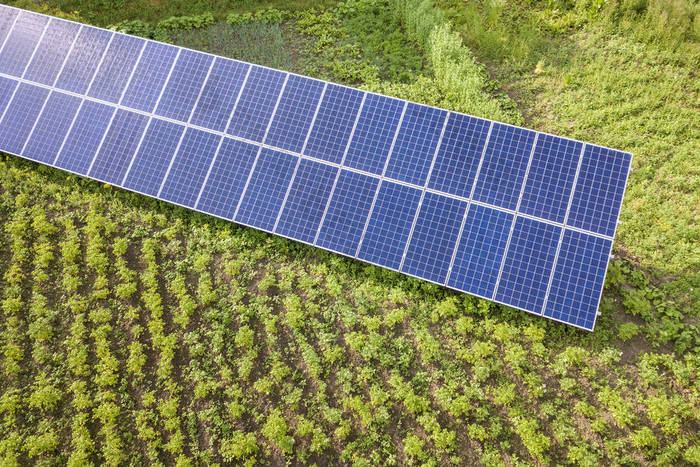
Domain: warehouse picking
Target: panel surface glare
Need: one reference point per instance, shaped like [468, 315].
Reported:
[512, 215]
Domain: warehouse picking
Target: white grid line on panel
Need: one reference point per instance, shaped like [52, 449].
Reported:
[342, 162]
[469, 204]
[515, 217]
[150, 118]
[99, 64]
[12, 28]
[133, 72]
[257, 156]
[423, 190]
[102, 141]
[561, 235]
[182, 137]
[381, 178]
[228, 122]
[296, 167]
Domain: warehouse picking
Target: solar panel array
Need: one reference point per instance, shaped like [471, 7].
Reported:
[512, 215]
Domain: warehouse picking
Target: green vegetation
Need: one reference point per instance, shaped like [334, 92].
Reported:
[134, 332]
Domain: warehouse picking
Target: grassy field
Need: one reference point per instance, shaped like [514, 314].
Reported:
[134, 332]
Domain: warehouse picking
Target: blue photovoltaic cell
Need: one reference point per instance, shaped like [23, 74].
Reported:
[21, 43]
[334, 122]
[551, 177]
[190, 167]
[296, 109]
[266, 189]
[578, 279]
[184, 86]
[256, 104]
[374, 134]
[149, 77]
[480, 251]
[416, 144]
[7, 18]
[51, 128]
[20, 117]
[117, 65]
[7, 88]
[118, 147]
[459, 154]
[85, 136]
[83, 60]
[599, 190]
[347, 212]
[505, 163]
[227, 178]
[219, 94]
[389, 225]
[153, 157]
[306, 201]
[434, 237]
[528, 264]
[52, 51]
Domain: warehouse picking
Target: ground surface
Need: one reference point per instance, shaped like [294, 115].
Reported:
[135, 332]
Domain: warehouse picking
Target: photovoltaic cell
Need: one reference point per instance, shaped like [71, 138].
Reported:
[7, 19]
[389, 225]
[306, 201]
[374, 133]
[190, 167]
[51, 52]
[153, 157]
[219, 94]
[7, 88]
[20, 117]
[598, 195]
[551, 177]
[434, 237]
[528, 264]
[459, 154]
[227, 178]
[184, 86]
[85, 136]
[113, 75]
[82, 62]
[334, 122]
[119, 145]
[416, 144]
[21, 43]
[149, 77]
[480, 251]
[347, 212]
[51, 128]
[256, 103]
[578, 279]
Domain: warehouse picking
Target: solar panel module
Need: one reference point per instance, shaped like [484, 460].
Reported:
[512, 215]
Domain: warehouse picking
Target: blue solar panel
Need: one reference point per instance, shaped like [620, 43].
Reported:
[504, 166]
[220, 94]
[578, 279]
[334, 122]
[306, 201]
[459, 155]
[416, 144]
[118, 147]
[256, 103]
[374, 134]
[480, 251]
[51, 52]
[528, 264]
[20, 117]
[347, 212]
[227, 177]
[153, 157]
[51, 128]
[149, 77]
[434, 237]
[389, 225]
[598, 194]
[482, 207]
[551, 177]
[294, 113]
[118, 62]
[266, 189]
[184, 86]
[189, 167]
[21, 42]
[82, 62]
